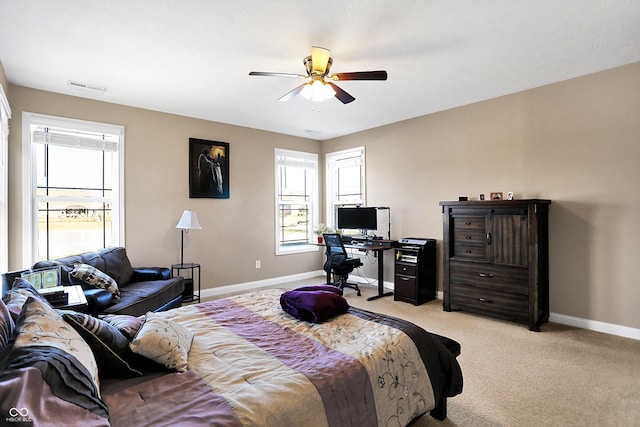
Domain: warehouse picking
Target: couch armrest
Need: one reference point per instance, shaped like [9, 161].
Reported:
[98, 300]
[144, 274]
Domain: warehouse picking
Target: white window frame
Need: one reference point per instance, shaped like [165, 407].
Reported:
[29, 201]
[5, 115]
[283, 156]
[332, 165]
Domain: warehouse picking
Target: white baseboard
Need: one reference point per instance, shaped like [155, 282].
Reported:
[563, 319]
[595, 325]
[248, 286]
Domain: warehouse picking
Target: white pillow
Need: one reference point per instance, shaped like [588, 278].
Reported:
[163, 341]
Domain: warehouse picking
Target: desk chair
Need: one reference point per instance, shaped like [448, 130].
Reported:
[338, 262]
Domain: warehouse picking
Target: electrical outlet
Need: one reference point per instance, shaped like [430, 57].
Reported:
[258, 264]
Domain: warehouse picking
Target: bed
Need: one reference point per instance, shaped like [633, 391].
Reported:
[251, 363]
[238, 361]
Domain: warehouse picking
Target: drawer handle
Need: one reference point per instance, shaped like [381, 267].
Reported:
[406, 279]
[488, 301]
[468, 251]
[467, 237]
[485, 275]
[467, 223]
[488, 238]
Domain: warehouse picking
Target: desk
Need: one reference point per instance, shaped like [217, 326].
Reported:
[378, 247]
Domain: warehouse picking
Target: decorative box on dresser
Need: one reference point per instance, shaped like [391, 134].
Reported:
[495, 256]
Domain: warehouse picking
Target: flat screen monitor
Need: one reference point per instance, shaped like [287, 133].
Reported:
[362, 218]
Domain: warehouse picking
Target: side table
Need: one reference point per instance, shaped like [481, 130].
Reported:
[190, 283]
[76, 300]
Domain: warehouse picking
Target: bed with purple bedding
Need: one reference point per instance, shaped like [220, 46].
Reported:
[248, 362]
[252, 364]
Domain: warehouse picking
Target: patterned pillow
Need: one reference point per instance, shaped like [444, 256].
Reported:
[18, 295]
[6, 326]
[163, 341]
[42, 340]
[126, 324]
[109, 346]
[94, 277]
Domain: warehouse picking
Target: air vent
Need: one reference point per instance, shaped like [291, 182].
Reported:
[86, 87]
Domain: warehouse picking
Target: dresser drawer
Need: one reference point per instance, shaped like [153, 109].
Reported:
[474, 236]
[467, 250]
[406, 286]
[406, 269]
[504, 305]
[469, 223]
[498, 277]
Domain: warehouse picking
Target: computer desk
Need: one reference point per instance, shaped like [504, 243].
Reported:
[377, 247]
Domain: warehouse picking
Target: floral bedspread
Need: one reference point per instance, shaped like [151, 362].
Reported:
[252, 364]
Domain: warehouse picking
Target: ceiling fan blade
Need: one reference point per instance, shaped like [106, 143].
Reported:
[360, 75]
[269, 74]
[343, 96]
[320, 59]
[289, 95]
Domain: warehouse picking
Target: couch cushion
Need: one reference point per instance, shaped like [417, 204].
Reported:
[67, 263]
[117, 264]
[138, 298]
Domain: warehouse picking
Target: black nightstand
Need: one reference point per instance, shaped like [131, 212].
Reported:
[190, 281]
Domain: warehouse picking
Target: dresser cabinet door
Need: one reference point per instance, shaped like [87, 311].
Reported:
[508, 237]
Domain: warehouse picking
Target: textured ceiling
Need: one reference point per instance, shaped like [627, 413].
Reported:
[192, 57]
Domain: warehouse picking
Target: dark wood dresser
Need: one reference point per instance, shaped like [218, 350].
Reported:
[495, 256]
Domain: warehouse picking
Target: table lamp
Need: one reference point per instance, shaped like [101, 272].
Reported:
[188, 221]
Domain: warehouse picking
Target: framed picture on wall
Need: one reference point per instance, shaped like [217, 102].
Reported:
[208, 169]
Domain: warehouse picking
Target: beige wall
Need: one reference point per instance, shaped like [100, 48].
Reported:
[576, 142]
[236, 231]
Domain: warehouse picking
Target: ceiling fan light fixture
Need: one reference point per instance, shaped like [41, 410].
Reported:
[317, 91]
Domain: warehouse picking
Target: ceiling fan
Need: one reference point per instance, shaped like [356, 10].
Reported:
[320, 86]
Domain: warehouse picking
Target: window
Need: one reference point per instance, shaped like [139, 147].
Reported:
[296, 200]
[345, 180]
[5, 114]
[73, 176]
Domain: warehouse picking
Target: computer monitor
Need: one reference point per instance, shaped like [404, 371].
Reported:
[358, 218]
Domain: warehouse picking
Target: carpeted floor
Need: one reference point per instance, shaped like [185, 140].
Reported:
[562, 376]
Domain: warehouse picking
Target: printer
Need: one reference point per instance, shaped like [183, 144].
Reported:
[416, 242]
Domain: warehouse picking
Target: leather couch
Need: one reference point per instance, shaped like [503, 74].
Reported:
[141, 289]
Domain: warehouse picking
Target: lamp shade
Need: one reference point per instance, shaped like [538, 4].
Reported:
[189, 221]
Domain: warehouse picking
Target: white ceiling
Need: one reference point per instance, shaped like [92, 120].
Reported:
[193, 57]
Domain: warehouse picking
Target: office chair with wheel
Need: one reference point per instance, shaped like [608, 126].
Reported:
[338, 263]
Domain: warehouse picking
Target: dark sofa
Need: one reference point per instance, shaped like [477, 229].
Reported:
[141, 289]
